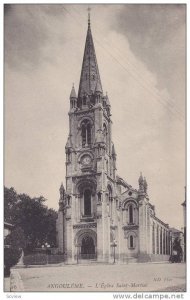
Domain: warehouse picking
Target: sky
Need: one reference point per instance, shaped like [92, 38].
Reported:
[141, 56]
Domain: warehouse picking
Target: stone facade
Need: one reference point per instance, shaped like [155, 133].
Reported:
[101, 217]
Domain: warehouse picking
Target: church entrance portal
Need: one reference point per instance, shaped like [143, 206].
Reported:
[87, 248]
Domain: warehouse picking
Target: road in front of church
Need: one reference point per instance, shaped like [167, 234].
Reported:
[99, 277]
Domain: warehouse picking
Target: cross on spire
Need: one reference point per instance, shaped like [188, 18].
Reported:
[89, 9]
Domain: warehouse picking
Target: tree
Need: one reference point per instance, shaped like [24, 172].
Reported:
[36, 220]
[10, 201]
[15, 242]
[16, 239]
[51, 227]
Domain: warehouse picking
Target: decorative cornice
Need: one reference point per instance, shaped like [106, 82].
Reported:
[85, 226]
[83, 111]
[83, 175]
[129, 227]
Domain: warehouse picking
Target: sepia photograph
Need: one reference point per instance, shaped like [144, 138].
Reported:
[95, 147]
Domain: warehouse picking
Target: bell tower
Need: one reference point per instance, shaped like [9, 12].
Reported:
[101, 217]
[87, 208]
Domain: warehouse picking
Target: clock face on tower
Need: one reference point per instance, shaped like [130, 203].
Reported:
[86, 160]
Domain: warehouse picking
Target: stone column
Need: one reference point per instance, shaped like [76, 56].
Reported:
[106, 231]
[162, 240]
[158, 239]
[100, 235]
[149, 232]
[69, 241]
[60, 231]
[143, 253]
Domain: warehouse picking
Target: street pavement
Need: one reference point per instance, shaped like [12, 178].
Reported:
[101, 277]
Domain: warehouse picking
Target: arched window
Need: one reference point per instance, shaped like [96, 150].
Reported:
[86, 133]
[130, 214]
[83, 134]
[109, 193]
[87, 203]
[117, 206]
[131, 242]
[68, 200]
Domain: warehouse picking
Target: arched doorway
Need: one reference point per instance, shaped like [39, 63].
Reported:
[86, 244]
[87, 248]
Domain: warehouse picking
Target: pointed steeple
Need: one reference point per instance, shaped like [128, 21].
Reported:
[107, 100]
[73, 98]
[73, 93]
[62, 192]
[90, 77]
[145, 185]
[141, 183]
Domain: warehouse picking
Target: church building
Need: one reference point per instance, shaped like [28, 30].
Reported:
[101, 217]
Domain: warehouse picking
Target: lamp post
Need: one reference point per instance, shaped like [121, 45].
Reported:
[46, 246]
[114, 244]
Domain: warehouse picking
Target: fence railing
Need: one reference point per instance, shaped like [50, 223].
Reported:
[43, 259]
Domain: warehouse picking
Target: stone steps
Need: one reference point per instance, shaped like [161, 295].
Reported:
[132, 260]
[128, 260]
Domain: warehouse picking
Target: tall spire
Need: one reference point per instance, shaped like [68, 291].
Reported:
[90, 77]
[89, 9]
